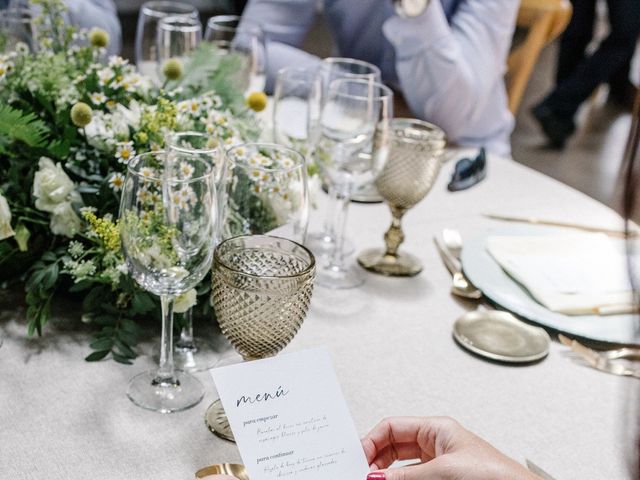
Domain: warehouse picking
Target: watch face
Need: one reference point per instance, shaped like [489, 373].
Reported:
[413, 8]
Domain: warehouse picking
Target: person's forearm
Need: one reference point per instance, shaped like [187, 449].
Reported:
[447, 72]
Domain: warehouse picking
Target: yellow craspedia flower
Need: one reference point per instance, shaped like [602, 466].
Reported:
[81, 114]
[98, 37]
[257, 101]
[172, 69]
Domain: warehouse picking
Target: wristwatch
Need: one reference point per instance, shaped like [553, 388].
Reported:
[410, 8]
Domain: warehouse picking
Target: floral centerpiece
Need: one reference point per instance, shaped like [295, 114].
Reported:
[70, 120]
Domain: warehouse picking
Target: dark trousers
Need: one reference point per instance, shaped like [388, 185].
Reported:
[580, 74]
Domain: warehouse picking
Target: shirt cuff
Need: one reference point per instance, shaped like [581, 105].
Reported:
[411, 35]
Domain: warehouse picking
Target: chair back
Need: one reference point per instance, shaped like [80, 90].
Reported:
[543, 21]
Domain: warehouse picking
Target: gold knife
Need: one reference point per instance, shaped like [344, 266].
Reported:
[538, 471]
[552, 223]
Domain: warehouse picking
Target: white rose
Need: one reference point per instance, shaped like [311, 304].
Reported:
[5, 219]
[65, 221]
[51, 185]
[97, 131]
[184, 302]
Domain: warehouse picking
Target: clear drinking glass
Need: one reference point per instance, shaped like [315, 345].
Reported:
[262, 287]
[191, 353]
[177, 37]
[17, 26]
[146, 49]
[246, 42]
[352, 150]
[331, 69]
[167, 226]
[295, 87]
[264, 190]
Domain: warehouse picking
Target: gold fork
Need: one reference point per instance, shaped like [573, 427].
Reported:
[603, 361]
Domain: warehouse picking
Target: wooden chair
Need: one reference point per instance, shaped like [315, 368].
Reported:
[543, 21]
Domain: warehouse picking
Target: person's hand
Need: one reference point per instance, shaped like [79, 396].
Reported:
[446, 449]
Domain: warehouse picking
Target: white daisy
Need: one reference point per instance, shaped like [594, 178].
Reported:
[125, 152]
[194, 107]
[98, 98]
[143, 195]
[116, 182]
[105, 75]
[115, 61]
[287, 162]
[186, 169]
[147, 172]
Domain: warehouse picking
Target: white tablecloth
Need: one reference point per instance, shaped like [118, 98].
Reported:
[62, 418]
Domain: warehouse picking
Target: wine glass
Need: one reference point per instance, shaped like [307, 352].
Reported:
[331, 69]
[246, 42]
[167, 227]
[177, 37]
[17, 27]
[146, 49]
[195, 354]
[415, 157]
[264, 190]
[295, 87]
[262, 288]
[352, 149]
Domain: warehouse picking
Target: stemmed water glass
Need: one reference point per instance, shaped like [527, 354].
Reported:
[177, 37]
[415, 156]
[195, 354]
[167, 227]
[352, 150]
[146, 49]
[295, 88]
[244, 41]
[331, 69]
[262, 288]
[264, 190]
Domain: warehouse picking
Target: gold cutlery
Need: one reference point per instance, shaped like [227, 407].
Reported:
[604, 361]
[460, 285]
[533, 468]
[231, 469]
[552, 223]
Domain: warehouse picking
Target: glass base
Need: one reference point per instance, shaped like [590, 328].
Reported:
[337, 278]
[216, 420]
[197, 356]
[322, 244]
[165, 397]
[367, 194]
[401, 265]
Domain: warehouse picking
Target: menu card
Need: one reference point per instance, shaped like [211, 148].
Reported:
[290, 419]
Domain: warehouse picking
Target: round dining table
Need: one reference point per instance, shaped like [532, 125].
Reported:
[62, 418]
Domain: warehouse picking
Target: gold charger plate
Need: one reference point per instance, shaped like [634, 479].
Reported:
[500, 336]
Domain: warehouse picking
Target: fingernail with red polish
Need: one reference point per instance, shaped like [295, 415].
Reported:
[376, 476]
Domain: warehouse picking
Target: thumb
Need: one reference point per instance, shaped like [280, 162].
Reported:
[412, 472]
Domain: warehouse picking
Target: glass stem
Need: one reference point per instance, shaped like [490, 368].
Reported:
[394, 236]
[336, 261]
[166, 372]
[331, 219]
[186, 334]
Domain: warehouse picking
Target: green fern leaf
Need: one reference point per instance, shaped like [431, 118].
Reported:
[18, 126]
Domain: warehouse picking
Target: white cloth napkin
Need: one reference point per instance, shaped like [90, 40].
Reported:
[572, 274]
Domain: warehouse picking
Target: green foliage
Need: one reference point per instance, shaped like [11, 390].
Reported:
[37, 92]
[208, 71]
[19, 126]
